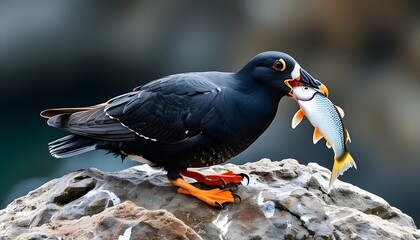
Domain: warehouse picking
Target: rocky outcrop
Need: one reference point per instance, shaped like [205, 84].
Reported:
[284, 200]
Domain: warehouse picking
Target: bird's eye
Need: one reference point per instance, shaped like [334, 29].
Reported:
[279, 65]
[305, 89]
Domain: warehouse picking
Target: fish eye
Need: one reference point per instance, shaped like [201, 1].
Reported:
[279, 65]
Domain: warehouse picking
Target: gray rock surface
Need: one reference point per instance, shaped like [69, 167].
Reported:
[284, 200]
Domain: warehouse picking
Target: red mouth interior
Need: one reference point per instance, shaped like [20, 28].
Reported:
[294, 83]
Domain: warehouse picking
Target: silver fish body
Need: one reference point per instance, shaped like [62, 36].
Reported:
[328, 123]
[323, 115]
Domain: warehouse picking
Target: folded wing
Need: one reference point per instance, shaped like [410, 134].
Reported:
[167, 110]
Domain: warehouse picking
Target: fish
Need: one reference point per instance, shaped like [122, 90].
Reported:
[327, 120]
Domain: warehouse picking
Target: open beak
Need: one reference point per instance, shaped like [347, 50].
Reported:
[303, 78]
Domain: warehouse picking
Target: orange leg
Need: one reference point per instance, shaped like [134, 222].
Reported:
[214, 197]
[216, 179]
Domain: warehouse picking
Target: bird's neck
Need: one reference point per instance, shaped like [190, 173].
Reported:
[245, 82]
[251, 103]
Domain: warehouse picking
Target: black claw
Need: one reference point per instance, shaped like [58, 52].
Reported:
[219, 204]
[244, 175]
[223, 186]
[235, 195]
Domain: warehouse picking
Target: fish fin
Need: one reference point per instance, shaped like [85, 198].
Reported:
[317, 135]
[340, 111]
[341, 164]
[348, 139]
[297, 118]
[328, 144]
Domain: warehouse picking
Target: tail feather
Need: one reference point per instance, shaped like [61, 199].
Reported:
[71, 145]
[49, 113]
[340, 166]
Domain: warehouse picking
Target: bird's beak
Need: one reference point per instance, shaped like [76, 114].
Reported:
[323, 89]
[302, 77]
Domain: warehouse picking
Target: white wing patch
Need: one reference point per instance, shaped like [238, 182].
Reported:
[138, 134]
[141, 159]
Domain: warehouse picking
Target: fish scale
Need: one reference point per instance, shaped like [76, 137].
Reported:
[325, 117]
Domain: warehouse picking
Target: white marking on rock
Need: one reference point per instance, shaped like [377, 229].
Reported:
[24, 213]
[126, 235]
[307, 218]
[267, 208]
[112, 196]
[222, 222]
[289, 224]
[255, 182]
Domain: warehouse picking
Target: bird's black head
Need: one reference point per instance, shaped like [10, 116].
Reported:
[280, 72]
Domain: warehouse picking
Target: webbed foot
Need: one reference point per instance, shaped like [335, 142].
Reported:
[214, 197]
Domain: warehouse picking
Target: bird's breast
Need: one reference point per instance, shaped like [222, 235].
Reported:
[238, 117]
[231, 127]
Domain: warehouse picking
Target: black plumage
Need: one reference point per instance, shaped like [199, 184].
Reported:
[184, 120]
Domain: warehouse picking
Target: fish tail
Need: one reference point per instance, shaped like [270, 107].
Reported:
[341, 164]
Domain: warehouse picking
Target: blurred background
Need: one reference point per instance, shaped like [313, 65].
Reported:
[76, 53]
